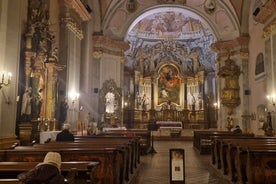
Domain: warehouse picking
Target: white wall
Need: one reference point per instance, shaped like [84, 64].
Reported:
[11, 20]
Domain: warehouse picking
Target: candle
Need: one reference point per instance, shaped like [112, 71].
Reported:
[9, 79]
[3, 76]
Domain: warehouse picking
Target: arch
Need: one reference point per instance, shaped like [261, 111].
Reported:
[126, 23]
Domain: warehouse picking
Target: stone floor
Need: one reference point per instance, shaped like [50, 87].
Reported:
[155, 168]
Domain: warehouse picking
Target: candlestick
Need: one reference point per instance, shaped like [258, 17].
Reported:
[3, 83]
[9, 79]
[3, 76]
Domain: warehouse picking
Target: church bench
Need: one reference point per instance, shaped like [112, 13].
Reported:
[108, 171]
[228, 153]
[9, 181]
[259, 155]
[111, 138]
[225, 151]
[202, 139]
[125, 145]
[144, 137]
[73, 172]
[216, 146]
[134, 141]
[261, 165]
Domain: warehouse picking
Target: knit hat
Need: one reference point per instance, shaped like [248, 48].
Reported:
[53, 158]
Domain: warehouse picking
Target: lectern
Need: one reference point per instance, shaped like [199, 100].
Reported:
[152, 127]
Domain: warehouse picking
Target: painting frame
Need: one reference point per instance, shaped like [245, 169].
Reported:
[168, 84]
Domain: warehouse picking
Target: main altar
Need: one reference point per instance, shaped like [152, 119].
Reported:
[171, 85]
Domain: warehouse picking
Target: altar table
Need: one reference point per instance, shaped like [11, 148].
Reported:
[44, 136]
[169, 124]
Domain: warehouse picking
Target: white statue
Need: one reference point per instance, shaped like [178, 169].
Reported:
[110, 102]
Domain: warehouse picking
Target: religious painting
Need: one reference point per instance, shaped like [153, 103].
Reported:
[168, 85]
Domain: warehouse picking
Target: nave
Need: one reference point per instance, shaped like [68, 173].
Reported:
[154, 168]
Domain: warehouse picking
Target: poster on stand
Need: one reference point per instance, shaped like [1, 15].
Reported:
[177, 166]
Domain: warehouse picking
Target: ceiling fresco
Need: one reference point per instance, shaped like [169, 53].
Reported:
[170, 34]
[173, 30]
[169, 24]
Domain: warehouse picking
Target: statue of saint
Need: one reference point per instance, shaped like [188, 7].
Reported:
[109, 102]
[26, 108]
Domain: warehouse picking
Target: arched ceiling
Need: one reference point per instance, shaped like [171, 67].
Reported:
[169, 23]
[114, 19]
[170, 34]
[177, 30]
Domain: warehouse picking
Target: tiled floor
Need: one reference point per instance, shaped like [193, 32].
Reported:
[154, 168]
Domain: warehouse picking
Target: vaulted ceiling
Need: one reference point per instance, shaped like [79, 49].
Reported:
[227, 21]
[174, 24]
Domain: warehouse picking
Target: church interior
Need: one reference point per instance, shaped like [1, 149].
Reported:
[173, 70]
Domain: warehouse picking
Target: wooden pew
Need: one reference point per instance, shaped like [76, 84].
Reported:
[261, 165]
[144, 141]
[226, 151]
[202, 139]
[110, 138]
[123, 144]
[260, 155]
[233, 154]
[108, 170]
[73, 172]
[216, 146]
[135, 156]
[118, 142]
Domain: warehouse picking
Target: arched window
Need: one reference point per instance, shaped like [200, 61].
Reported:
[259, 68]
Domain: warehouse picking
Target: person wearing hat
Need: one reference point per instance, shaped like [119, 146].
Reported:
[65, 134]
[46, 172]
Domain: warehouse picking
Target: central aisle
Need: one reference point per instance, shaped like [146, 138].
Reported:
[154, 168]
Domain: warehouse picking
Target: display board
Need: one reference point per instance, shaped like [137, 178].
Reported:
[177, 166]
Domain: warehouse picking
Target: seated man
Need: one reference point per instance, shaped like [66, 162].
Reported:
[65, 134]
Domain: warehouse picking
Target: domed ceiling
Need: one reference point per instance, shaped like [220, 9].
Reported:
[170, 34]
[169, 23]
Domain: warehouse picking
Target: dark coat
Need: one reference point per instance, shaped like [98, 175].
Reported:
[42, 174]
[65, 135]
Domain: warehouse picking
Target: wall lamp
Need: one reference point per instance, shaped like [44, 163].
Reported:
[6, 79]
[271, 99]
[74, 96]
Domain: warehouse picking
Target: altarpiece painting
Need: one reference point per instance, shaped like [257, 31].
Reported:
[168, 85]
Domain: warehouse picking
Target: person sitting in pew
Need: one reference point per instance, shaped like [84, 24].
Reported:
[46, 172]
[237, 129]
[65, 134]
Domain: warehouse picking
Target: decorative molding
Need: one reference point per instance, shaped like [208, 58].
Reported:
[266, 11]
[270, 29]
[236, 46]
[131, 5]
[73, 26]
[79, 8]
[181, 2]
[103, 44]
[210, 6]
